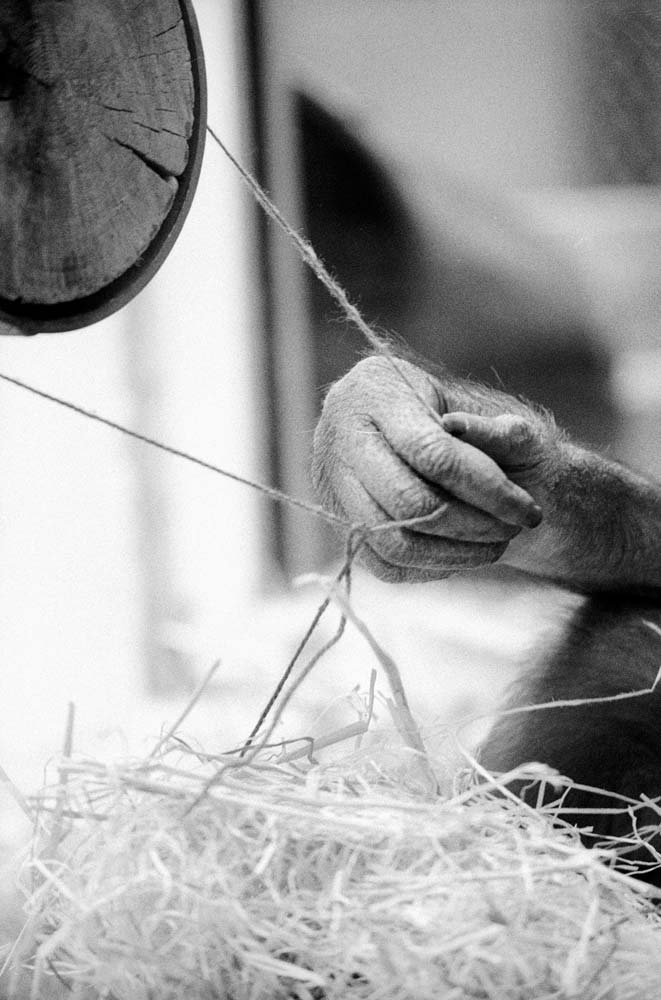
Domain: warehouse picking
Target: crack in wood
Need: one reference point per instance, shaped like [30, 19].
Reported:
[172, 27]
[150, 128]
[157, 168]
[161, 52]
[112, 107]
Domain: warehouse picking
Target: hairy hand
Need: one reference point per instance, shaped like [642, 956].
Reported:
[390, 449]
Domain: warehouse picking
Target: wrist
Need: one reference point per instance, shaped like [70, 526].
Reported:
[601, 528]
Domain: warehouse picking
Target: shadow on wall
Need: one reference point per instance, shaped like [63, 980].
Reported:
[460, 275]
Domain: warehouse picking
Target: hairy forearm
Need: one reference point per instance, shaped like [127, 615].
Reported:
[602, 523]
[601, 528]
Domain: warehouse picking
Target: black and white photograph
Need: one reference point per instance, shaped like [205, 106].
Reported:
[330, 499]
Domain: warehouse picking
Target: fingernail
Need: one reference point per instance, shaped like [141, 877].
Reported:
[534, 516]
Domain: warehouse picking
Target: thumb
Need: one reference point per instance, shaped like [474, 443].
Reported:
[510, 440]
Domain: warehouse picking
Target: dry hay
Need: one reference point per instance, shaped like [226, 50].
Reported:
[319, 881]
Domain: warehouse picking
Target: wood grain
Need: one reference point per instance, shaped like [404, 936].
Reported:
[97, 105]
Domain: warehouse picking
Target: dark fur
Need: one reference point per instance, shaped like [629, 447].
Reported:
[615, 746]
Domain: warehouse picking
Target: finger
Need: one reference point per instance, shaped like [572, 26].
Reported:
[389, 573]
[508, 438]
[402, 494]
[462, 470]
[409, 552]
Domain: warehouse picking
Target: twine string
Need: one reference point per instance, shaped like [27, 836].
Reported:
[309, 256]
[357, 534]
[269, 491]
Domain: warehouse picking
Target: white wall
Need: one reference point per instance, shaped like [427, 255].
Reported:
[179, 362]
[485, 88]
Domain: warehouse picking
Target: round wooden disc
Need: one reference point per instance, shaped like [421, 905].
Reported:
[102, 127]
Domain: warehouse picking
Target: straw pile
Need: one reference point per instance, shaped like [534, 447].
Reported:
[313, 882]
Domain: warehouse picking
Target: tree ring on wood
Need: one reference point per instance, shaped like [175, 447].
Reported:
[102, 128]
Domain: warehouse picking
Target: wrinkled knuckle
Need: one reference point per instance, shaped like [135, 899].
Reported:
[426, 445]
[407, 500]
[448, 463]
[520, 431]
[522, 427]
[437, 459]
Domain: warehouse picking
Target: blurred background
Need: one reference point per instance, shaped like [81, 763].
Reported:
[483, 177]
